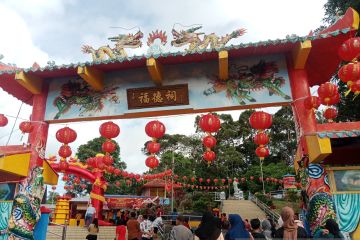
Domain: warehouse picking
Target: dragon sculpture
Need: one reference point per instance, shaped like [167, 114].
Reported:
[244, 80]
[80, 94]
[25, 212]
[191, 37]
[121, 41]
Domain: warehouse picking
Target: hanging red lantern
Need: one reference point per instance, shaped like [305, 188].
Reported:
[65, 178]
[355, 87]
[153, 147]
[312, 102]
[208, 180]
[230, 180]
[3, 120]
[262, 152]
[83, 186]
[77, 180]
[349, 73]
[108, 146]
[350, 49]
[260, 120]
[209, 123]
[209, 156]
[184, 178]
[71, 187]
[53, 188]
[128, 182]
[192, 179]
[252, 178]
[108, 160]
[152, 162]
[63, 165]
[216, 180]
[201, 180]
[26, 127]
[330, 114]
[209, 141]
[327, 90]
[109, 130]
[125, 174]
[223, 181]
[65, 151]
[176, 176]
[267, 179]
[66, 135]
[66, 187]
[333, 100]
[110, 169]
[155, 129]
[261, 139]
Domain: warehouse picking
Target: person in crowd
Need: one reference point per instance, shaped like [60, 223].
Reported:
[266, 227]
[330, 231]
[289, 230]
[78, 218]
[125, 216]
[209, 228]
[273, 226]
[159, 211]
[133, 227]
[237, 229]
[121, 231]
[186, 223]
[180, 232]
[140, 218]
[89, 215]
[146, 229]
[297, 220]
[247, 225]
[173, 217]
[255, 229]
[93, 230]
[157, 223]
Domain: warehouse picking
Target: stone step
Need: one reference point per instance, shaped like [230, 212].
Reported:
[79, 233]
[245, 208]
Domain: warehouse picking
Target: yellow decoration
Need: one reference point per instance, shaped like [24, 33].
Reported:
[301, 53]
[155, 70]
[92, 76]
[223, 65]
[30, 82]
[97, 197]
[318, 148]
[62, 211]
[50, 176]
[16, 164]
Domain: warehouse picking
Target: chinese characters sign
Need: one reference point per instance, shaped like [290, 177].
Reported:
[171, 95]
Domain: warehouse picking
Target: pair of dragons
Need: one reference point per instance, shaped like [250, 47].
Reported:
[181, 38]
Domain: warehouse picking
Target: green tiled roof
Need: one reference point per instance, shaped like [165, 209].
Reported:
[183, 53]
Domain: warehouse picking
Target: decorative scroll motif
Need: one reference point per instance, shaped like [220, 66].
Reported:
[25, 212]
[191, 37]
[79, 93]
[244, 79]
[121, 41]
[154, 47]
[347, 207]
[5, 210]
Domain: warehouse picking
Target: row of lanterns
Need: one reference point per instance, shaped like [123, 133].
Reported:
[65, 136]
[261, 121]
[209, 124]
[155, 130]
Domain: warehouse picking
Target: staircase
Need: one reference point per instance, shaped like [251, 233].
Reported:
[79, 233]
[245, 208]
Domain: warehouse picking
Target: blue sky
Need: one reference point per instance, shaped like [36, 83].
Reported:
[43, 30]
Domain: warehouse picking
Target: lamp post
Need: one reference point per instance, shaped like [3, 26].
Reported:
[172, 181]
[262, 176]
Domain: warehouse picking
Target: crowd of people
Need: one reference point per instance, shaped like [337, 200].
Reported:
[133, 226]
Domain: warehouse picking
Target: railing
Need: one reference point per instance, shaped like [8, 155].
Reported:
[274, 216]
[64, 229]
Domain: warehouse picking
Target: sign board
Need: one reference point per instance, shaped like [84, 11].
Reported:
[171, 95]
[164, 201]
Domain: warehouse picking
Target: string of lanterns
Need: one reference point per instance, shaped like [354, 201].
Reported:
[155, 130]
[260, 121]
[65, 136]
[209, 124]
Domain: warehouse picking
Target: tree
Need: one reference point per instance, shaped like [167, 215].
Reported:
[349, 106]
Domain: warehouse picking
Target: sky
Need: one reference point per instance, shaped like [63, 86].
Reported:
[42, 30]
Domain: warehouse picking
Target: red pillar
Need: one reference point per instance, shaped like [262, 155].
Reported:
[97, 194]
[300, 89]
[38, 136]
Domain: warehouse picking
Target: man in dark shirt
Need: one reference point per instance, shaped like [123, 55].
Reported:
[255, 229]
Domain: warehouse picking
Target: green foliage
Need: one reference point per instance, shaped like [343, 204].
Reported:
[265, 199]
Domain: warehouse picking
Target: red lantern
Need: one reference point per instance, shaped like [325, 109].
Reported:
[109, 130]
[128, 182]
[216, 180]
[108, 146]
[260, 120]
[262, 152]
[66, 187]
[65, 178]
[63, 165]
[110, 169]
[26, 127]
[184, 178]
[209, 123]
[330, 114]
[65, 151]
[349, 73]
[176, 177]
[333, 100]
[223, 181]
[252, 178]
[201, 180]
[77, 180]
[209, 156]
[71, 187]
[192, 179]
[312, 102]
[209, 141]
[108, 160]
[267, 179]
[230, 180]
[152, 162]
[125, 174]
[355, 87]
[153, 147]
[3, 120]
[243, 179]
[327, 90]
[83, 186]
[261, 139]
[155, 129]
[350, 49]
[66, 135]
[208, 180]
[53, 188]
